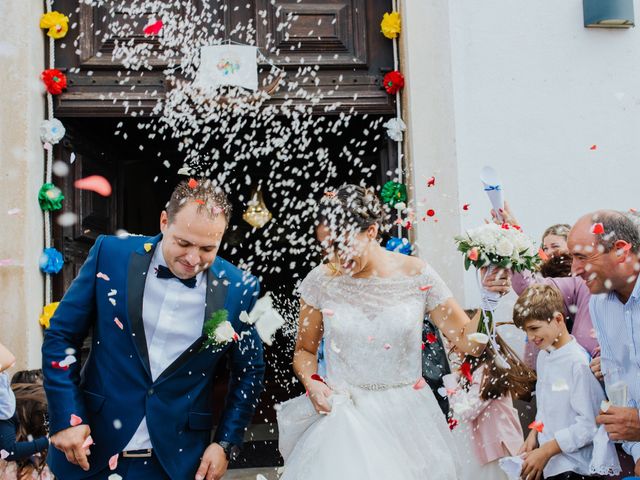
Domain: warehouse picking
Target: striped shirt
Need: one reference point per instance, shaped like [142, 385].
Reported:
[617, 327]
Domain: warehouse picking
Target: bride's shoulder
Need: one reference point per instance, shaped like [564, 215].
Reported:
[409, 266]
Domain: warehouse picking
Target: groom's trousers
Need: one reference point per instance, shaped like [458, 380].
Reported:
[135, 469]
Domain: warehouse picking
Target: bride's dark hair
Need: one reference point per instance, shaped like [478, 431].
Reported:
[352, 208]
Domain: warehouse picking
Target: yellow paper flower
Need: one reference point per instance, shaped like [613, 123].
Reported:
[57, 23]
[391, 25]
[47, 313]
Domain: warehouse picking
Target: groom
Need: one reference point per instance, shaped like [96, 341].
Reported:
[142, 404]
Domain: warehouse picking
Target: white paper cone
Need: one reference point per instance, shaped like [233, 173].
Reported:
[493, 187]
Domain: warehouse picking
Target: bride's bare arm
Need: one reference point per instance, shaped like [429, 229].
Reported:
[310, 331]
[453, 322]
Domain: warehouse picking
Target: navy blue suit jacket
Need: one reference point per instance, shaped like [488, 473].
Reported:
[115, 390]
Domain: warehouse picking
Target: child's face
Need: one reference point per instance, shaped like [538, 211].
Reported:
[544, 333]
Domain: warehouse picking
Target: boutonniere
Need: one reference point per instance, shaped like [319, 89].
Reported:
[218, 330]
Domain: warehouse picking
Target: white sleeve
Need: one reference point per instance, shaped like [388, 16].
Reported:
[586, 396]
[438, 291]
[311, 287]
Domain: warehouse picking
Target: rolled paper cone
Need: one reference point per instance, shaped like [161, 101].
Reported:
[493, 187]
[449, 381]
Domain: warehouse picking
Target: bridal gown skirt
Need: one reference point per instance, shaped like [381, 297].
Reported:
[394, 434]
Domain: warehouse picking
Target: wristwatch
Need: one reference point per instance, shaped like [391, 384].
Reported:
[231, 451]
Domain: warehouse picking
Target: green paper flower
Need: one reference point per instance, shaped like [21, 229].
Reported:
[50, 197]
[393, 193]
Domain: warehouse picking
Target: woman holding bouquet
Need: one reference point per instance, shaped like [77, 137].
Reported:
[574, 289]
[371, 417]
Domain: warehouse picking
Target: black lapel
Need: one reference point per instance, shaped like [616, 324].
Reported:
[215, 300]
[136, 278]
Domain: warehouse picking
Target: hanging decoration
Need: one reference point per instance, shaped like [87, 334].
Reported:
[47, 313]
[56, 23]
[257, 214]
[395, 127]
[391, 25]
[51, 131]
[54, 80]
[232, 65]
[393, 193]
[393, 82]
[51, 261]
[399, 245]
[50, 197]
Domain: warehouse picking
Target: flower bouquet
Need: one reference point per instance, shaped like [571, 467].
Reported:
[489, 247]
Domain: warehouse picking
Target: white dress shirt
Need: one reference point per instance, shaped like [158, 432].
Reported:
[568, 398]
[617, 327]
[173, 317]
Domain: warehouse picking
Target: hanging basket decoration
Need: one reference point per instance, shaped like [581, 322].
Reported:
[399, 245]
[50, 197]
[51, 131]
[391, 25]
[51, 261]
[56, 23]
[393, 193]
[54, 80]
[47, 313]
[393, 82]
[395, 127]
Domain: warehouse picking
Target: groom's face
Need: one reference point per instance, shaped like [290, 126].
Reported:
[191, 240]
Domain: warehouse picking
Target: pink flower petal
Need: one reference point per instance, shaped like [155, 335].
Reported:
[113, 462]
[94, 183]
[420, 384]
[118, 323]
[88, 442]
[75, 420]
[103, 276]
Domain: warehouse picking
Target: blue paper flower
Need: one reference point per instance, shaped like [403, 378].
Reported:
[51, 261]
[399, 245]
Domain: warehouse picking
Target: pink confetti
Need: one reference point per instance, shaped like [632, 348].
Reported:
[5, 262]
[113, 462]
[75, 420]
[154, 29]
[431, 182]
[118, 323]
[3, 454]
[88, 442]
[597, 229]
[420, 384]
[48, 146]
[94, 183]
[327, 312]
[424, 288]
[103, 276]
[386, 346]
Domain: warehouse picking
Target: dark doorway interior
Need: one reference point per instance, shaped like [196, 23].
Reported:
[143, 172]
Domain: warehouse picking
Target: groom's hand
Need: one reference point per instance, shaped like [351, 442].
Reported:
[213, 464]
[71, 442]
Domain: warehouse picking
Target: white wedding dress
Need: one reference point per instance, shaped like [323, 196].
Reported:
[380, 426]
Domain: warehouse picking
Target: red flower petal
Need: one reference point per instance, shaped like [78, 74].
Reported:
[199, 202]
[57, 365]
[536, 425]
[154, 28]
[75, 420]
[424, 288]
[543, 255]
[466, 206]
[431, 182]
[597, 229]
[193, 183]
[431, 338]
[593, 147]
[317, 378]
[420, 384]
[453, 423]
[465, 369]
[431, 213]
[95, 183]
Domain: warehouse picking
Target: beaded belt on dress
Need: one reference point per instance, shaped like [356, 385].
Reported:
[384, 386]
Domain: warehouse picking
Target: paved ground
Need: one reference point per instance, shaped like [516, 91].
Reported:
[251, 474]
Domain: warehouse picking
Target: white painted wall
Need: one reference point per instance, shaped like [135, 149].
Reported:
[524, 87]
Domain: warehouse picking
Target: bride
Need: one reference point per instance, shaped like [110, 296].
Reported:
[370, 417]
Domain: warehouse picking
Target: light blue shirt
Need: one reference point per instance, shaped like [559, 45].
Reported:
[7, 398]
[617, 327]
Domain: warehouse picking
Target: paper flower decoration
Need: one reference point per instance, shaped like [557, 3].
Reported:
[51, 131]
[57, 23]
[391, 25]
[399, 245]
[47, 313]
[51, 261]
[50, 197]
[393, 82]
[395, 127]
[54, 80]
[393, 193]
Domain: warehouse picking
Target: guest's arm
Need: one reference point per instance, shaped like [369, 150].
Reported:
[18, 450]
[6, 358]
[467, 405]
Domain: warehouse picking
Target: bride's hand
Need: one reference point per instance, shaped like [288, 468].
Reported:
[499, 280]
[319, 394]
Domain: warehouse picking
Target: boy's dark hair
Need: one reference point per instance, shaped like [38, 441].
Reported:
[518, 380]
[538, 302]
[28, 376]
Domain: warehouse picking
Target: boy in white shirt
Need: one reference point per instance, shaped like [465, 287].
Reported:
[561, 442]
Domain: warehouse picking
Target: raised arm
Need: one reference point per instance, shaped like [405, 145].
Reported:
[453, 322]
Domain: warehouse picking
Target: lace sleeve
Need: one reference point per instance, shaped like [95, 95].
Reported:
[310, 289]
[438, 292]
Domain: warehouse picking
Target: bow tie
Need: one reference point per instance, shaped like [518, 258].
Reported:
[164, 272]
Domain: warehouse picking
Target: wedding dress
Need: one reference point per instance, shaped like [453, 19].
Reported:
[382, 425]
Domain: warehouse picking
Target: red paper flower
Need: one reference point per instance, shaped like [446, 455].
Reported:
[54, 80]
[393, 82]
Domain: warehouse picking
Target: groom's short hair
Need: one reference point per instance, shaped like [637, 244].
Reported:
[211, 199]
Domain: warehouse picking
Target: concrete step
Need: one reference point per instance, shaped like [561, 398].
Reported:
[270, 473]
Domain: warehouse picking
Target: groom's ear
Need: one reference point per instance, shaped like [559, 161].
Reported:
[164, 221]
